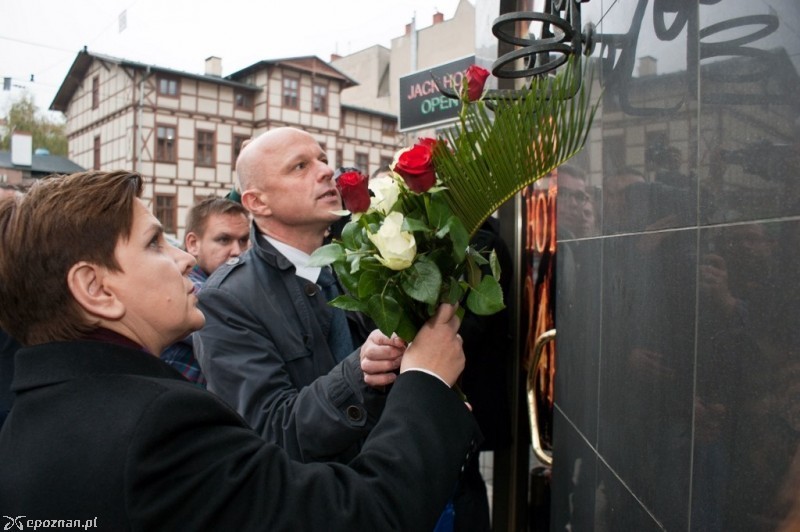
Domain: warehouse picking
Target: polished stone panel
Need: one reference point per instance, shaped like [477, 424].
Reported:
[574, 479]
[748, 87]
[678, 352]
[578, 327]
[617, 509]
[648, 166]
[646, 367]
[747, 405]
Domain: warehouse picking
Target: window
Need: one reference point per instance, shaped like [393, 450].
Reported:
[204, 153]
[238, 141]
[165, 144]
[168, 86]
[319, 100]
[362, 162]
[95, 92]
[96, 153]
[166, 212]
[389, 126]
[658, 154]
[339, 158]
[290, 87]
[243, 100]
[613, 154]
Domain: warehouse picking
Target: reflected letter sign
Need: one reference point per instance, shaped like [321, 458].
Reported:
[421, 103]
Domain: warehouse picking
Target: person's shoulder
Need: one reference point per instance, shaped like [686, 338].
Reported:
[229, 270]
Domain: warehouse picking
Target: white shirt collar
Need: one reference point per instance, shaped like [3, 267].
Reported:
[298, 258]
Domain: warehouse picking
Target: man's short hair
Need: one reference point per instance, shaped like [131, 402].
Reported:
[62, 220]
[574, 171]
[199, 214]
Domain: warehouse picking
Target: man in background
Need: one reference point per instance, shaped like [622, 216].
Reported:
[217, 230]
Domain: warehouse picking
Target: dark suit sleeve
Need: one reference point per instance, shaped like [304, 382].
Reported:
[243, 365]
[193, 465]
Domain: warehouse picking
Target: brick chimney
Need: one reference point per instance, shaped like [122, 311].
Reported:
[408, 28]
[648, 66]
[334, 57]
[214, 66]
[438, 17]
[21, 149]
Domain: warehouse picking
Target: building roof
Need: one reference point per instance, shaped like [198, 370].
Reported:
[382, 114]
[84, 59]
[307, 63]
[42, 164]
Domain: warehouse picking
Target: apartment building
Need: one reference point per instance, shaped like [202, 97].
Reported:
[183, 131]
[424, 45]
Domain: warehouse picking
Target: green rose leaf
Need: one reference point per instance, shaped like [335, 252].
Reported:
[326, 255]
[422, 281]
[460, 238]
[346, 302]
[455, 292]
[476, 256]
[494, 263]
[460, 314]
[413, 224]
[348, 280]
[406, 328]
[486, 298]
[438, 211]
[370, 263]
[473, 272]
[370, 282]
[351, 235]
[385, 311]
[355, 263]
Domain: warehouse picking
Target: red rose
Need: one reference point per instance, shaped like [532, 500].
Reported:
[353, 188]
[429, 142]
[476, 79]
[415, 166]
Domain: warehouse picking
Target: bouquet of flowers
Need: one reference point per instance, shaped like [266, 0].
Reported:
[407, 247]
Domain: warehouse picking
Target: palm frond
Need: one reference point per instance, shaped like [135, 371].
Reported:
[497, 153]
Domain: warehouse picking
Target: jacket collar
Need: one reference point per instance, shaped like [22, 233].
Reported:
[52, 363]
[266, 251]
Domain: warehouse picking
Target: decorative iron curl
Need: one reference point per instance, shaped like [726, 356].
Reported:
[560, 35]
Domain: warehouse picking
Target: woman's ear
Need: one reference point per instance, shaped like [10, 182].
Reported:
[86, 282]
[256, 202]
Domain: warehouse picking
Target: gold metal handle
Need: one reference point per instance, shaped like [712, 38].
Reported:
[546, 337]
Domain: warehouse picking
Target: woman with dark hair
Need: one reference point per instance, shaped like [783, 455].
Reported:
[104, 433]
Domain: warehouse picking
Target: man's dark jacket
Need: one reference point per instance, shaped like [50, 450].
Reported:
[264, 351]
[106, 431]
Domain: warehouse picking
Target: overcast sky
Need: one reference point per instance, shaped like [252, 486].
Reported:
[42, 37]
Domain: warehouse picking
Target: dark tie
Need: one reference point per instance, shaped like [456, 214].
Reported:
[339, 339]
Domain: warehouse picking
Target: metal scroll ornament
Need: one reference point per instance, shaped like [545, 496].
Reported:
[561, 38]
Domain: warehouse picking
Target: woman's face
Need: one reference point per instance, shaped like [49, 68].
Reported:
[159, 300]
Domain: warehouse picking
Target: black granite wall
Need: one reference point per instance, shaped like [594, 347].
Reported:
[678, 369]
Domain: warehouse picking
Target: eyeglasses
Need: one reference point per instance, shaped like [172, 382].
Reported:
[580, 197]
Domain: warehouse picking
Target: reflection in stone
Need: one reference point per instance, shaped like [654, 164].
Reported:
[748, 393]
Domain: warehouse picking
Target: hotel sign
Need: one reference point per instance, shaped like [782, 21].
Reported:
[421, 103]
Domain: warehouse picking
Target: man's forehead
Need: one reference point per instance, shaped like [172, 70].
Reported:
[234, 222]
[566, 180]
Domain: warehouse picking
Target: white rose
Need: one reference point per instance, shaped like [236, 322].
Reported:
[386, 191]
[397, 248]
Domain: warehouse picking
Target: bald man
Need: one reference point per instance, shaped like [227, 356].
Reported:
[272, 347]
